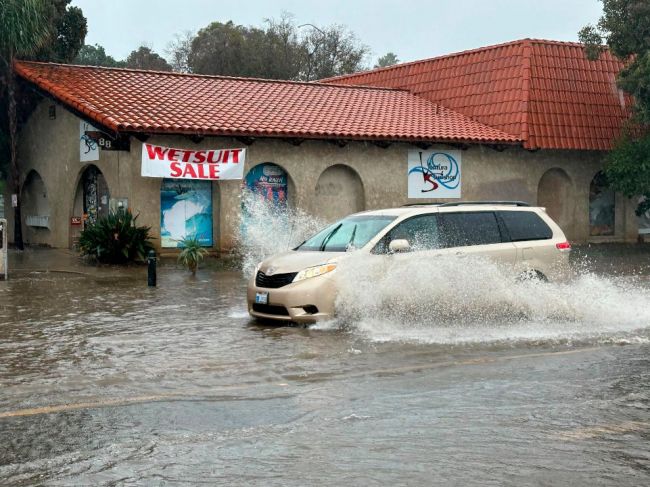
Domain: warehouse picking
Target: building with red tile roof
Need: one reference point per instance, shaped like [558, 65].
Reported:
[545, 93]
[136, 101]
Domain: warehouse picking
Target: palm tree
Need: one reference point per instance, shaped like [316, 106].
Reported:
[24, 27]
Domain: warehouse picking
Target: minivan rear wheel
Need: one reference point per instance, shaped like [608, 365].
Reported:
[532, 275]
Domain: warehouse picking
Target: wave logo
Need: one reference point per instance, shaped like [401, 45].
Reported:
[434, 175]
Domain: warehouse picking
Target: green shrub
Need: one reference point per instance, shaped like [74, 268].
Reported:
[191, 254]
[116, 239]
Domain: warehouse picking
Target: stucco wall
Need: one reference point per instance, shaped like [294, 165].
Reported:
[51, 147]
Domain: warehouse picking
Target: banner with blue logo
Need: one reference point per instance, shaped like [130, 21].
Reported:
[434, 174]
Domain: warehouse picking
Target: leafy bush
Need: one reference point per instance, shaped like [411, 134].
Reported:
[191, 254]
[116, 239]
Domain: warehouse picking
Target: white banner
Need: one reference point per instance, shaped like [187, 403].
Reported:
[166, 162]
[434, 174]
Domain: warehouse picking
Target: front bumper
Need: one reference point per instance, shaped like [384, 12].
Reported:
[305, 301]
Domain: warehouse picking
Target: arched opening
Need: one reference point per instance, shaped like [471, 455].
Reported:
[339, 192]
[555, 193]
[268, 194]
[185, 212]
[602, 207]
[36, 208]
[271, 183]
[91, 201]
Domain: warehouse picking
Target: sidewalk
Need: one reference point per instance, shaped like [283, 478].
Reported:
[65, 261]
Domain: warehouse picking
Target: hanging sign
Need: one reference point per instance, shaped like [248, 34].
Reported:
[88, 148]
[106, 142]
[167, 162]
[434, 174]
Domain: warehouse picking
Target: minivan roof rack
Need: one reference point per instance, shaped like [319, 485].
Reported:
[461, 203]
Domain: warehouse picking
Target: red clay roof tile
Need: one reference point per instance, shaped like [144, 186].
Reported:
[531, 88]
[157, 102]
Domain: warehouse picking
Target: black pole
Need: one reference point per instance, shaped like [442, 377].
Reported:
[151, 270]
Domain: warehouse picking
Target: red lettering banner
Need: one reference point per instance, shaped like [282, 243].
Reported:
[167, 162]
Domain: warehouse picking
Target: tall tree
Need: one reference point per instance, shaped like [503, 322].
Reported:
[69, 29]
[178, 51]
[24, 29]
[220, 49]
[388, 59]
[331, 51]
[278, 50]
[145, 58]
[625, 29]
[96, 56]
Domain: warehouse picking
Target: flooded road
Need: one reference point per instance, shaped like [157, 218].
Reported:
[107, 382]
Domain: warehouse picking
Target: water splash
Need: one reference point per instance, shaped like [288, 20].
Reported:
[468, 299]
[267, 229]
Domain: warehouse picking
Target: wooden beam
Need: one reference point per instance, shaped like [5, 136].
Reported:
[384, 144]
[458, 145]
[338, 142]
[142, 137]
[293, 141]
[246, 140]
[498, 147]
[196, 138]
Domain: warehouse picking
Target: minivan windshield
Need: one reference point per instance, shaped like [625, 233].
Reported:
[350, 233]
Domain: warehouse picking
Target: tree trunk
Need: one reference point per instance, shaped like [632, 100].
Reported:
[15, 174]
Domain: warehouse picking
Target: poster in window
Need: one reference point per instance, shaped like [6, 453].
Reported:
[185, 211]
[269, 181]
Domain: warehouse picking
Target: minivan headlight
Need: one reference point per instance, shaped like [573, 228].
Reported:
[315, 271]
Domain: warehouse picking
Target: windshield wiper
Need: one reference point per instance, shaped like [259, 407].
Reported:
[351, 241]
[330, 235]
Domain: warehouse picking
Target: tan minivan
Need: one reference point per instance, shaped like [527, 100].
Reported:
[300, 285]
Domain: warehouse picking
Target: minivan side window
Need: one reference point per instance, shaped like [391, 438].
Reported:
[421, 232]
[469, 228]
[525, 225]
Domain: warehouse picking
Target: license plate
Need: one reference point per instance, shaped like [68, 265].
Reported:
[262, 298]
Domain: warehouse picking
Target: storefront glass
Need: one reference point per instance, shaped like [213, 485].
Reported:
[185, 211]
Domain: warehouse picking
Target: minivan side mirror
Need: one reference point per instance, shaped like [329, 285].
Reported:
[399, 245]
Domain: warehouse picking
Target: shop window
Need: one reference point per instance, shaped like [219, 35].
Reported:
[185, 212]
[602, 205]
[268, 181]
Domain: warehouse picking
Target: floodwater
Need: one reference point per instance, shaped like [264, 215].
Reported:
[104, 381]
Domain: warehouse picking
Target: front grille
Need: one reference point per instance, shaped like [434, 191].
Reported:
[270, 309]
[275, 281]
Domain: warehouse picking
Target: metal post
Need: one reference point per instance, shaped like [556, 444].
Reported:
[151, 270]
[4, 250]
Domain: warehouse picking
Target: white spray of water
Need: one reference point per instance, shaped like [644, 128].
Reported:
[267, 229]
[469, 299]
[454, 300]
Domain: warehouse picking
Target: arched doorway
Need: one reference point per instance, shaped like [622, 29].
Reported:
[36, 208]
[339, 192]
[555, 193]
[92, 196]
[91, 201]
[602, 207]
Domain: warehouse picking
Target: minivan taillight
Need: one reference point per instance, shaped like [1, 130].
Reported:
[563, 246]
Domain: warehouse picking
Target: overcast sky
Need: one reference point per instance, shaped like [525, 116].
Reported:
[413, 29]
